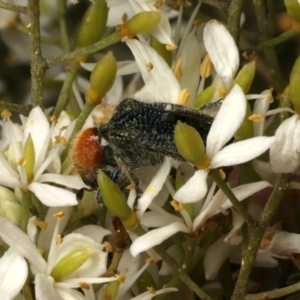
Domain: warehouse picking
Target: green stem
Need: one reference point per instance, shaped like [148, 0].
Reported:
[26, 202]
[36, 59]
[177, 270]
[65, 92]
[277, 293]
[234, 17]
[256, 236]
[108, 41]
[235, 202]
[22, 109]
[78, 126]
[278, 40]
[12, 7]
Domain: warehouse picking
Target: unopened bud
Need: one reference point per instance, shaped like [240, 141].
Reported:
[29, 155]
[115, 201]
[293, 9]
[141, 23]
[111, 290]
[93, 24]
[71, 263]
[190, 145]
[204, 97]
[245, 76]
[102, 79]
[294, 90]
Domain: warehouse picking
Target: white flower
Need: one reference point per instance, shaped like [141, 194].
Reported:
[13, 174]
[88, 272]
[284, 153]
[225, 124]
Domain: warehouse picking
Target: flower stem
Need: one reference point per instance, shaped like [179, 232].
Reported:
[27, 291]
[235, 202]
[36, 59]
[12, 7]
[26, 202]
[22, 109]
[107, 41]
[234, 16]
[250, 254]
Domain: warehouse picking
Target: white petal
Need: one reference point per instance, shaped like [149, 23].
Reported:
[20, 242]
[44, 288]
[194, 189]
[148, 295]
[71, 181]
[97, 233]
[157, 78]
[284, 244]
[241, 152]
[67, 293]
[263, 169]
[155, 237]
[51, 195]
[222, 50]
[214, 258]
[284, 153]
[234, 237]
[38, 126]
[13, 274]
[244, 191]
[261, 106]
[154, 186]
[227, 121]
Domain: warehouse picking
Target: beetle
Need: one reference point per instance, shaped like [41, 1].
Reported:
[138, 134]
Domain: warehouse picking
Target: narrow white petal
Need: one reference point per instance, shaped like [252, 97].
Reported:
[284, 153]
[284, 244]
[263, 169]
[20, 242]
[44, 288]
[38, 126]
[227, 121]
[241, 152]
[244, 191]
[13, 274]
[95, 232]
[155, 237]
[71, 181]
[52, 196]
[154, 186]
[194, 189]
[155, 79]
[222, 50]
[214, 258]
[148, 295]
[261, 106]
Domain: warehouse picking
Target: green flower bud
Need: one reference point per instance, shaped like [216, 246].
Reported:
[102, 79]
[246, 129]
[161, 49]
[93, 24]
[71, 263]
[111, 290]
[190, 145]
[144, 281]
[29, 155]
[245, 76]
[141, 23]
[204, 97]
[293, 9]
[10, 208]
[115, 201]
[294, 88]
